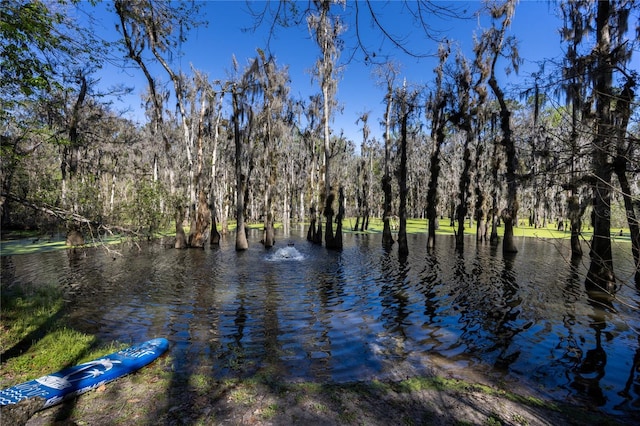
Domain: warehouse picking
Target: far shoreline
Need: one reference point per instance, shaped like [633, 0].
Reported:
[16, 242]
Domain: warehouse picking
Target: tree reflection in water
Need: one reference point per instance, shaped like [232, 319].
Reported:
[358, 314]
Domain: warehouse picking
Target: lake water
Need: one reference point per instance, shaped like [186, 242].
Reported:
[301, 312]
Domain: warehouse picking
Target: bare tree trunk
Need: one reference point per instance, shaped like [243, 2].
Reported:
[367, 168]
[366, 190]
[365, 199]
[301, 207]
[226, 195]
[214, 238]
[329, 237]
[481, 227]
[463, 119]
[317, 238]
[181, 238]
[286, 208]
[463, 190]
[601, 276]
[437, 122]
[339, 217]
[202, 220]
[403, 247]
[632, 220]
[315, 224]
[328, 195]
[576, 93]
[112, 192]
[311, 231]
[269, 231]
[268, 238]
[494, 44]
[241, 232]
[314, 233]
[625, 151]
[480, 205]
[510, 214]
[358, 196]
[576, 210]
[241, 235]
[493, 236]
[387, 238]
[326, 29]
[202, 214]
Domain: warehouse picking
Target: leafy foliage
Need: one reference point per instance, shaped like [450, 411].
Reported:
[144, 212]
[28, 41]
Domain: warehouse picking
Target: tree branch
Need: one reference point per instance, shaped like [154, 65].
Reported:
[65, 215]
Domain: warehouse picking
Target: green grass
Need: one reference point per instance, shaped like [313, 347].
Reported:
[35, 340]
[270, 411]
[419, 226]
[244, 395]
[26, 246]
[200, 383]
[61, 347]
[26, 311]
[455, 385]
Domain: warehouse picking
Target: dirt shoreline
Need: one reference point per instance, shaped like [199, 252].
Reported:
[157, 396]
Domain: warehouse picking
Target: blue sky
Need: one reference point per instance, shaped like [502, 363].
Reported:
[210, 49]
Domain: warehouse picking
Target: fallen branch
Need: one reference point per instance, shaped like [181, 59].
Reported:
[65, 215]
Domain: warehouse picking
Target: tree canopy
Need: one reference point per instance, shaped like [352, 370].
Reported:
[241, 147]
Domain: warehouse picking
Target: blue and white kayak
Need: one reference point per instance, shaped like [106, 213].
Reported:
[72, 381]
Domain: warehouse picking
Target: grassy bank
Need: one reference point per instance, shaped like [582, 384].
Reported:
[34, 338]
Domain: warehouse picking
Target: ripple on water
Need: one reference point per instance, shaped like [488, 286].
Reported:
[307, 313]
